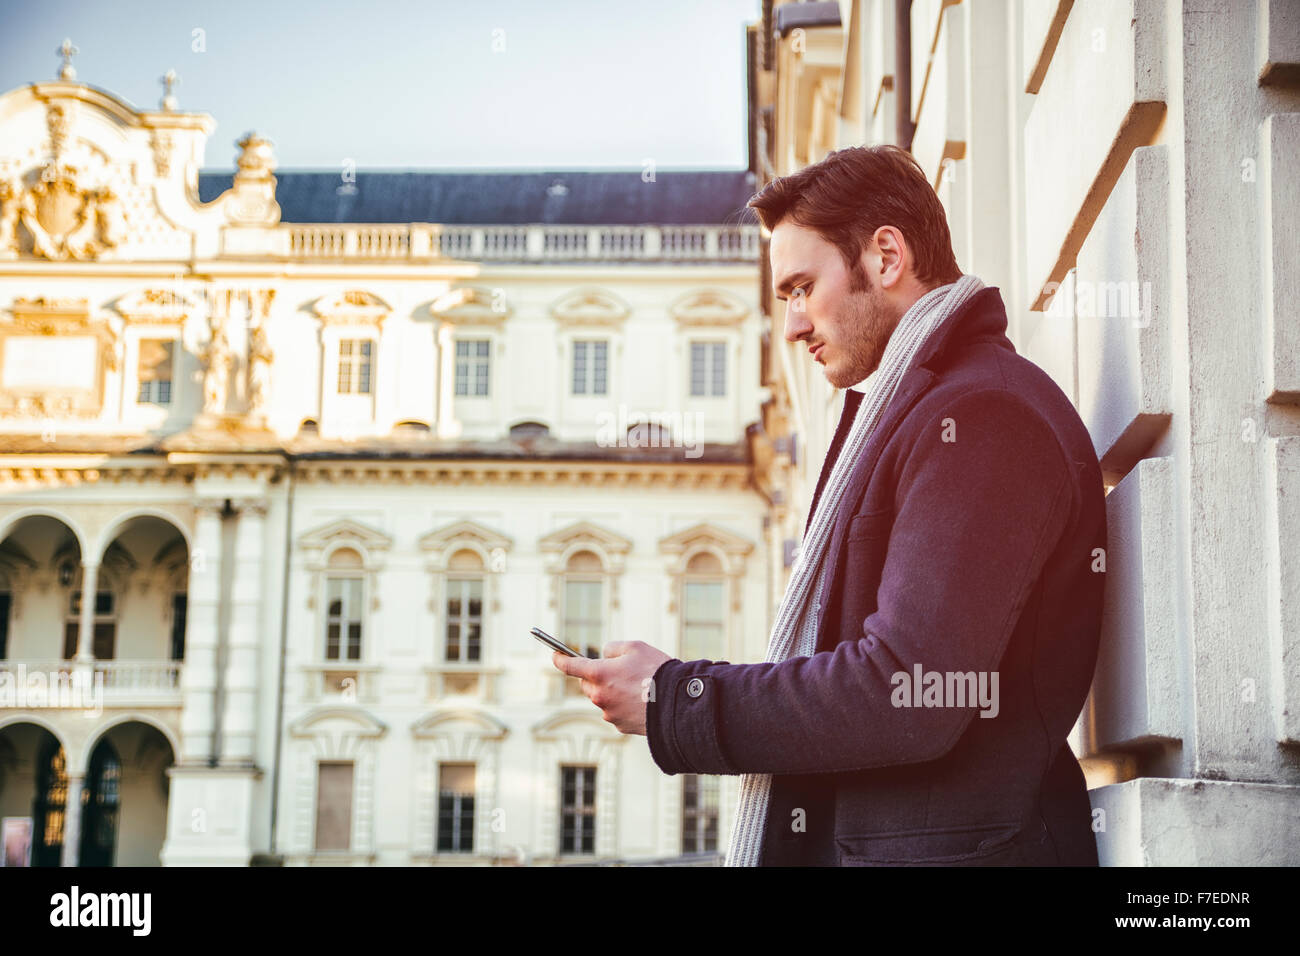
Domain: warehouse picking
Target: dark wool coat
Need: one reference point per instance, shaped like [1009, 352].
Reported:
[967, 541]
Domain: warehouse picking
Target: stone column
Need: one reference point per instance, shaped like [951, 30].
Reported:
[446, 380]
[239, 714]
[86, 624]
[72, 820]
[198, 674]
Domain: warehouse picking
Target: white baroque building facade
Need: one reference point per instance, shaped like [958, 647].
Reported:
[292, 462]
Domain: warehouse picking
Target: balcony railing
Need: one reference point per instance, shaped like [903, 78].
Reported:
[140, 678]
[512, 244]
[66, 684]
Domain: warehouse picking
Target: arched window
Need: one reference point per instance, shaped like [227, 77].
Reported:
[584, 603]
[100, 803]
[344, 613]
[464, 615]
[704, 630]
[50, 805]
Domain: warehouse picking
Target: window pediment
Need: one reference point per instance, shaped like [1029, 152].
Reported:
[583, 535]
[578, 726]
[155, 307]
[331, 721]
[460, 722]
[444, 541]
[354, 307]
[706, 537]
[590, 308]
[472, 305]
[344, 531]
[708, 307]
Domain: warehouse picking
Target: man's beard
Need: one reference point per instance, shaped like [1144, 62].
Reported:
[869, 327]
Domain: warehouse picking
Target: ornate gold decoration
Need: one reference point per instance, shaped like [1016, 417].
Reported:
[57, 121]
[11, 193]
[67, 218]
[61, 318]
[162, 143]
[155, 307]
[352, 308]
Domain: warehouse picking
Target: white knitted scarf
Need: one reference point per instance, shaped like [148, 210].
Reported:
[795, 632]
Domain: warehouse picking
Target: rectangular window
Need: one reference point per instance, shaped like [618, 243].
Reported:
[354, 366]
[5, 599]
[472, 366]
[334, 805]
[703, 630]
[577, 809]
[464, 619]
[456, 808]
[103, 632]
[590, 367]
[154, 371]
[343, 619]
[708, 368]
[180, 601]
[699, 813]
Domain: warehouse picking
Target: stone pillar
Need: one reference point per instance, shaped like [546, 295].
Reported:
[239, 715]
[199, 673]
[72, 820]
[86, 624]
[446, 381]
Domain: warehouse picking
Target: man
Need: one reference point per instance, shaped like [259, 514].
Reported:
[937, 638]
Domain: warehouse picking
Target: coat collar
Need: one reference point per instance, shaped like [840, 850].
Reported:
[982, 316]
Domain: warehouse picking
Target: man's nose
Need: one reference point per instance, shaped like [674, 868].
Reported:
[796, 321]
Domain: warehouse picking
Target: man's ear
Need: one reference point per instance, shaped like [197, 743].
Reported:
[892, 256]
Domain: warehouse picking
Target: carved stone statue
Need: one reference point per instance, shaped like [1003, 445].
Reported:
[216, 371]
[259, 369]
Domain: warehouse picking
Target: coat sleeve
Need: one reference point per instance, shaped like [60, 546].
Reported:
[983, 496]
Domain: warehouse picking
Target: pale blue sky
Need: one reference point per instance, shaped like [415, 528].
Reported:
[407, 84]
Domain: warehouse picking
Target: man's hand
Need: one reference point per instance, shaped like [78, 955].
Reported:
[619, 684]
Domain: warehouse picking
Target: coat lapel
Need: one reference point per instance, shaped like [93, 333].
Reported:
[914, 384]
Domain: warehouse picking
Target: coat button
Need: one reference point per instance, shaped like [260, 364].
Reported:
[695, 687]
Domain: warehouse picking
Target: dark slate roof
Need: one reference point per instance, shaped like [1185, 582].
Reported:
[593, 198]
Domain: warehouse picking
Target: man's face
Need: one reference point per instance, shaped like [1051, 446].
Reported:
[842, 315]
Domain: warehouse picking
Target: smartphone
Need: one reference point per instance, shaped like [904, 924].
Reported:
[554, 643]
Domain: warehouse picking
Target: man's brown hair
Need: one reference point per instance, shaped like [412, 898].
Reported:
[854, 191]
